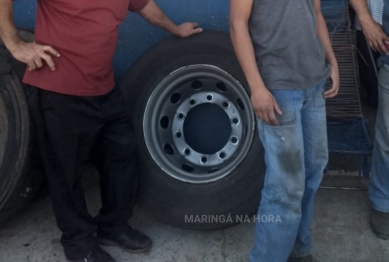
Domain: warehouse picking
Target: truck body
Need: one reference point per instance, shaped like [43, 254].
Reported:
[166, 81]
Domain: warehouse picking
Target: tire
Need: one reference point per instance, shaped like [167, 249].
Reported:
[199, 82]
[20, 176]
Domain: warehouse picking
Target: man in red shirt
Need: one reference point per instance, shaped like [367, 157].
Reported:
[77, 110]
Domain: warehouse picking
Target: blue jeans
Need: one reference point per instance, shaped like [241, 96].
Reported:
[379, 181]
[296, 154]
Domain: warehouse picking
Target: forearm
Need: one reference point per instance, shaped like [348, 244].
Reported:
[362, 10]
[8, 31]
[153, 14]
[244, 50]
[322, 32]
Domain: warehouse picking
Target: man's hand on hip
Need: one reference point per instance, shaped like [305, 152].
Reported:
[34, 55]
[376, 36]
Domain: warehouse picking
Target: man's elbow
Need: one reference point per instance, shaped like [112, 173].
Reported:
[318, 11]
[238, 25]
[319, 16]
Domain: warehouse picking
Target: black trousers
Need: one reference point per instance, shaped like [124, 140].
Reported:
[368, 77]
[69, 128]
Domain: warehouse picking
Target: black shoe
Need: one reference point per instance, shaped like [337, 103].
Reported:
[129, 239]
[379, 222]
[309, 258]
[98, 255]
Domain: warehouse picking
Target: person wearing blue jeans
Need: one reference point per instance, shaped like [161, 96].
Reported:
[377, 36]
[285, 52]
[296, 155]
[379, 181]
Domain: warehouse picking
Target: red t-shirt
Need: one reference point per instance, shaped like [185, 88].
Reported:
[85, 33]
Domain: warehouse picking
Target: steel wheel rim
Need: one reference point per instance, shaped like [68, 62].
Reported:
[174, 99]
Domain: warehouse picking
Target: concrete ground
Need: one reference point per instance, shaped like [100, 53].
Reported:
[341, 233]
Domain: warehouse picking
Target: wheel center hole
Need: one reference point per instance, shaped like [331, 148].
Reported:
[207, 128]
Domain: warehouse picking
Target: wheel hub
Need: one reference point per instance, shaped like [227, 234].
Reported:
[207, 129]
[198, 124]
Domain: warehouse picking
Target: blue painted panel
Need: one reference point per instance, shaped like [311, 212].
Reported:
[136, 35]
[24, 14]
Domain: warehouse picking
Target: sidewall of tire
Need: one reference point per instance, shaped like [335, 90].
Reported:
[21, 168]
[169, 199]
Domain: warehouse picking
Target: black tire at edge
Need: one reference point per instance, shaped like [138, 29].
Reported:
[20, 171]
[168, 199]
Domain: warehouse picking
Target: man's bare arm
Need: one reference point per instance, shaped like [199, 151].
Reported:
[8, 31]
[372, 30]
[322, 32]
[241, 39]
[152, 13]
[362, 10]
[263, 102]
[31, 54]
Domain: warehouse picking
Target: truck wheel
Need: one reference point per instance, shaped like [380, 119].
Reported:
[202, 165]
[20, 178]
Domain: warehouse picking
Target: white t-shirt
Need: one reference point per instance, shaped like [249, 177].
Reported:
[376, 9]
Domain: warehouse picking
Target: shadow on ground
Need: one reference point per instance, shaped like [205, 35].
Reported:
[341, 233]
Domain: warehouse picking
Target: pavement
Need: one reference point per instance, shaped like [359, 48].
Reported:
[341, 233]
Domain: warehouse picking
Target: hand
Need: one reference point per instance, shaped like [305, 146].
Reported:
[34, 55]
[188, 29]
[265, 106]
[376, 36]
[331, 93]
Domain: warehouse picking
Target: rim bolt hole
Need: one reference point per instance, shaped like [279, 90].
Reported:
[226, 104]
[164, 122]
[209, 98]
[240, 104]
[187, 151]
[187, 168]
[192, 101]
[204, 160]
[234, 140]
[197, 85]
[169, 149]
[222, 87]
[181, 116]
[175, 98]
[178, 135]
[222, 155]
[235, 121]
